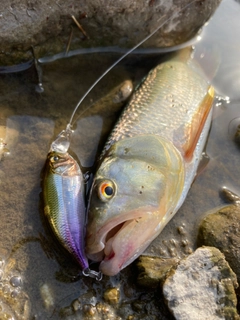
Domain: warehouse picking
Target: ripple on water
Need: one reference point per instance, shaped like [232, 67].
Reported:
[28, 139]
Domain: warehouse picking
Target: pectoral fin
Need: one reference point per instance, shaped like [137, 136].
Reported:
[194, 129]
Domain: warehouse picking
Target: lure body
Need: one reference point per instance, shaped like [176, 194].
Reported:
[64, 203]
[148, 164]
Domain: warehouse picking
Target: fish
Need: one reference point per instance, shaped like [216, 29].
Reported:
[148, 163]
[64, 203]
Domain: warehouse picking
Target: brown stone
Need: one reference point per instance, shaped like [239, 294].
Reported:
[46, 25]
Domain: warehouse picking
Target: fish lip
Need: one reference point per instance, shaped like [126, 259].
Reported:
[96, 242]
[117, 250]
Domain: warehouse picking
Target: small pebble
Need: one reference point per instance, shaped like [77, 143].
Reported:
[76, 304]
[181, 230]
[112, 295]
[47, 297]
[124, 92]
[89, 309]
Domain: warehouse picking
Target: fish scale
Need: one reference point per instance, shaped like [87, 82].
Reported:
[161, 103]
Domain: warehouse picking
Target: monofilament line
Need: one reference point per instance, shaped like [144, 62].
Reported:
[122, 57]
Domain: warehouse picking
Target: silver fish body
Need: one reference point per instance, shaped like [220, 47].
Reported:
[148, 163]
[64, 203]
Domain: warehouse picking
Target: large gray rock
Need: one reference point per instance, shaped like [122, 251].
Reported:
[202, 287]
[47, 24]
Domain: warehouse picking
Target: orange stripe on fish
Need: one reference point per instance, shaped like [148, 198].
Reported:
[195, 128]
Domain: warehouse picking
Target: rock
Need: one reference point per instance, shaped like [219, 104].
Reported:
[153, 270]
[220, 229]
[14, 301]
[112, 295]
[202, 287]
[46, 25]
[47, 296]
[237, 136]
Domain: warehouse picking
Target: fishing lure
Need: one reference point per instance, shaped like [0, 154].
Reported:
[64, 204]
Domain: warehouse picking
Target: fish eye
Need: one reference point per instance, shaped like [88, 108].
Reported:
[106, 190]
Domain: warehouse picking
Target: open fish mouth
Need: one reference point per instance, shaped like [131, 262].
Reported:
[120, 241]
[100, 244]
[113, 236]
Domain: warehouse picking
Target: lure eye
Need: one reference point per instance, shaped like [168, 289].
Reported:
[54, 158]
[106, 190]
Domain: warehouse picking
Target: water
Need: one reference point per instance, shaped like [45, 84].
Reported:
[38, 279]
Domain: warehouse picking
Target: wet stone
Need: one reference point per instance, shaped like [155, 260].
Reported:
[220, 229]
[123, 92]
[106, 311]
[202, 287]
[14, 302]
[237, 135]
[47, 296]
[76, 305]
[112, 295]
[89, 309]
[47, 25]
[153, 270]
[178, 246]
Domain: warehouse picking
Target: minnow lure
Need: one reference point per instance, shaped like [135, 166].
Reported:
[64, 205]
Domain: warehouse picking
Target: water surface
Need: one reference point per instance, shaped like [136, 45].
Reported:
[48, 281]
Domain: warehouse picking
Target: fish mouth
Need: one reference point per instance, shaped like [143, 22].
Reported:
[120, 241]
[112, 236]
[99, 247]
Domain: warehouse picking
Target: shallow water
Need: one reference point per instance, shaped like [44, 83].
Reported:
[37, 278]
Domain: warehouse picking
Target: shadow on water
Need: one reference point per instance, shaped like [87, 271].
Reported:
[51, 286]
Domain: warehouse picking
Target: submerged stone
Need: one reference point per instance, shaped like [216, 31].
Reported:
[112, 295]
[221, 230]
[47, 296]
[202, 287]
[47, 26]
[153, 270]
[14, 301]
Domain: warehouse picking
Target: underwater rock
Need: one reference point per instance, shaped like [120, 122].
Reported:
[112, 295]
[14, 302]
[221, 230]
[202, 287]
[47, 296]
[153, 270]
[88, 311]
[48, 25]
[237, 136]
[115, 299]
[123, 92]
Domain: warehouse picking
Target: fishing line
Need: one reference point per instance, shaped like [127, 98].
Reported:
[62, 142]
[121, 58]
[142, 51]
